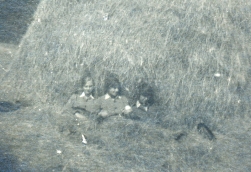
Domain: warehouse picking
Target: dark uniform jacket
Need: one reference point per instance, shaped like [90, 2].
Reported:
[151, 114]
[113, 106]
[81, 103]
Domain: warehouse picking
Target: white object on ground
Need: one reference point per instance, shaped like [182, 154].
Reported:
[59, 151]
[78, 115]
[217, 74]
[84, 140]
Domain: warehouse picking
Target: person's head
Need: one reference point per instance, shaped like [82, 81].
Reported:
[88, 85]
[113, 90]
[145, 94]
[112, 86]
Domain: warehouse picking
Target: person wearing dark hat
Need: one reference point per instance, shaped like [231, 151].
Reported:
[112, 103]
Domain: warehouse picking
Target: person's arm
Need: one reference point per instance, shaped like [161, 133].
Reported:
[93, 106]
[79, 102]
[127, 109]
[120, 107]
[107, 108]
[68, 106]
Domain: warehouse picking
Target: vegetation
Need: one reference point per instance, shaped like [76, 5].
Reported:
[195, 53]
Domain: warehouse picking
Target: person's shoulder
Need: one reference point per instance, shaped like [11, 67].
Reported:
[74, 96]
[134, 107]
[123, 97]
[157, 108]
[100, 99]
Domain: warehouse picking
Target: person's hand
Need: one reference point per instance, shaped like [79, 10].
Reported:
[103, 113]
[127, 110]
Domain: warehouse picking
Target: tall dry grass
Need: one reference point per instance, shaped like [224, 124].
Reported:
[195, 53]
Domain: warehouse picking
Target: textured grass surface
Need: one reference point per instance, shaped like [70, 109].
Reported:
[196, 54]
[177, 46]
[33, 138]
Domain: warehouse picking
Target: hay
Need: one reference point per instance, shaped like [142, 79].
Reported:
[117, 144]
[195, 54]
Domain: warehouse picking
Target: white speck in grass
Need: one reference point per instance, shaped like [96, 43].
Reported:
[217, 74]
[106, 17]
[75, 34]
[83, 139]
[130, 60]
[38, 20]
[59, 151]
[239, 101]
[46, 53]
[141, 61]
[211, 49]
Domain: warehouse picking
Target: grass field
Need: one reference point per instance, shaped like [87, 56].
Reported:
[196, 54]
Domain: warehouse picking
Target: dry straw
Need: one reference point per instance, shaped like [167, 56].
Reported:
[196, 54]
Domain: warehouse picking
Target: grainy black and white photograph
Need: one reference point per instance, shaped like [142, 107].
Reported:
[125, 85]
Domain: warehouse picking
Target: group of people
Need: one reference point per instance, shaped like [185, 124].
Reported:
[112, 102]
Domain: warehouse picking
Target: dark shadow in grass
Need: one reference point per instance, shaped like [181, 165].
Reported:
[8, 106]
[180, 136]
[15, 17]
[205, 131]
[9, 163]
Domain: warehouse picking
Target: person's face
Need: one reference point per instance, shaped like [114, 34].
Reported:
[88, 88]
[143, 100]
[113, 92]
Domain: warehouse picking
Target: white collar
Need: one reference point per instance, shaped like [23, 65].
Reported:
[107, 96]
[138, 105]
[83, 95]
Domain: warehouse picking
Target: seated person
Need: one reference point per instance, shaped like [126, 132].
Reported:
[85, 101]
[144, 96]
[112, 103]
